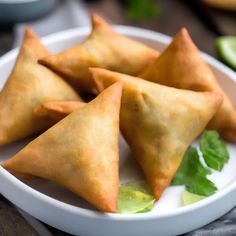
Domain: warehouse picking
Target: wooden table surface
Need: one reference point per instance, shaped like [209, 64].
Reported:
[174, 15]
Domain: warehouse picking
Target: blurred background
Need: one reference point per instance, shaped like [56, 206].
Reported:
[205, 19]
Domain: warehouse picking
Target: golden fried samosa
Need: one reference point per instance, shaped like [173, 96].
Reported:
[29, 85]
[57, 110]
[103, 48]
[80, 152]
[159, 123]
[182, 66]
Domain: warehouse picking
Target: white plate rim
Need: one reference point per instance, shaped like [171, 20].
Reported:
[132, 31]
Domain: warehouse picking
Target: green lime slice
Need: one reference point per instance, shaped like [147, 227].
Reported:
[189, 198]
[135, 197]
[226, 46]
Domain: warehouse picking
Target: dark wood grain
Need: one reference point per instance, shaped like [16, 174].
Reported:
[11, 221]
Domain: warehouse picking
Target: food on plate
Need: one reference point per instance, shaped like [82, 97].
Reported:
[23, 176]
[193, 174]
[214, 150]
[80, 152]
[159, 122]
[226, 46]
[182, 66]
[28, 86]
[193, 170]
[57, 110]
[135, 197]
[103, 48]
[190, 198]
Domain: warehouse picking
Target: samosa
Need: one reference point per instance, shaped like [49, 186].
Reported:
[182, 66]
[159, 123]
[103, 48]
[29, 85]
[80, 152]
[57, 110]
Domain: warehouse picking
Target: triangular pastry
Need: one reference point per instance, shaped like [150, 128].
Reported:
[29, 85]
[80, 152]
[182, 66]
[57, 110]
[159, 123]
[103, 48]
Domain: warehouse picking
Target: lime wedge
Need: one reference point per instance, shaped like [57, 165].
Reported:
[226, 46]
[135, 197]
[189, 198]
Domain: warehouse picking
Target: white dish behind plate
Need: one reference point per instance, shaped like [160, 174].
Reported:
[60, 208]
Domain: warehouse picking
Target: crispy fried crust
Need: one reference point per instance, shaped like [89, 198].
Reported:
[159, 123]
[103, 48]
[181, 66]
[28, 86]
[80, 152]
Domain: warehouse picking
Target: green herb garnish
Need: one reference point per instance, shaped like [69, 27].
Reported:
[214, 150]
[193, 174]
[141, 9]
[135, 197]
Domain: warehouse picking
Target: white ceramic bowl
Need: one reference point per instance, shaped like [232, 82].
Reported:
[14, 11]
[61, 209]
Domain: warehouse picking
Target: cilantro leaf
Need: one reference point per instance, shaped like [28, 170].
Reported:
[201, 185]
[193, 174]
[214, 150]
[141, 9]
[190, 167]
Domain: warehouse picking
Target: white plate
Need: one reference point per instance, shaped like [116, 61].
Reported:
[61, 209]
